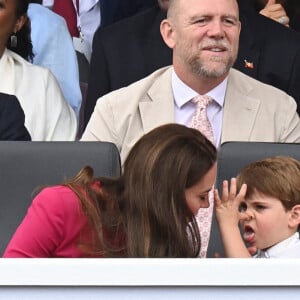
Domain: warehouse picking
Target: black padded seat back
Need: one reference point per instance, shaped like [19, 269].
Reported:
[24, 166]
[232, 157]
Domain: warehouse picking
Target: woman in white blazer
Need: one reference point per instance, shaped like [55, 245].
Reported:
[48, 116]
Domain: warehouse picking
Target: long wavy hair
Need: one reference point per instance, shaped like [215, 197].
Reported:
[24, 45]
[144, 213]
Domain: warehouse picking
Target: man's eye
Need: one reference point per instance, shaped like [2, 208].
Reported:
[201, 21]
[242, 207]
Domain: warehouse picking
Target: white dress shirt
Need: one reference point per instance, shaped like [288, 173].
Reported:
[88, 19]
[289, 248]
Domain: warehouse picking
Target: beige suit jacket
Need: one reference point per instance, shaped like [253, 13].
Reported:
[253, 111]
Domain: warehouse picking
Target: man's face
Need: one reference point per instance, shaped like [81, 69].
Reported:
[206, 36]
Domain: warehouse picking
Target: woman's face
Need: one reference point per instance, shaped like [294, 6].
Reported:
[197, 196]
[8, 21]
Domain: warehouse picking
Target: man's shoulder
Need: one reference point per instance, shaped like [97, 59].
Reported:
[44, 19]
[140, 87]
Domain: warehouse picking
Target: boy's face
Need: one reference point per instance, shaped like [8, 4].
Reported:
[268, 222]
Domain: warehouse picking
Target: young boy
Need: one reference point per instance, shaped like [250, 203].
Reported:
[267, 207]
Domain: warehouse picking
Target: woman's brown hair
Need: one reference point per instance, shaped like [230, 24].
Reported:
[146, 206]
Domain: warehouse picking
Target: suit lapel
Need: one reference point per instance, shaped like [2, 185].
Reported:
[158, 106]
[240, 109]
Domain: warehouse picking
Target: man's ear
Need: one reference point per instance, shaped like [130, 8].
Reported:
[294, 219]
[20, 22]
[168, 33]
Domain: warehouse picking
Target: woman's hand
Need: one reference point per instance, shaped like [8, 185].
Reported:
[276, 12]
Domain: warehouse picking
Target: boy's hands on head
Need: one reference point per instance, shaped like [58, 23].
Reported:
[228, 217]
[227, 206]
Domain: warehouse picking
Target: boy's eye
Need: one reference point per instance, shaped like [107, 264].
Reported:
[259, 207]
[243, 207]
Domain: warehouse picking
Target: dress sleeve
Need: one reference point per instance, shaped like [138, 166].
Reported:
[42, 229]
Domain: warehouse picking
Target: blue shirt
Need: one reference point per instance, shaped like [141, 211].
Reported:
[53, 49]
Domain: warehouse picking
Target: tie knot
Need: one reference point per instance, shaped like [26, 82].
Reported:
[202, 100]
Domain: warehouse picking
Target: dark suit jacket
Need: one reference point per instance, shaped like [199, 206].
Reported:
[292, 8]
[12, 120]
[133, 48]
[125, 52]
[115, 10]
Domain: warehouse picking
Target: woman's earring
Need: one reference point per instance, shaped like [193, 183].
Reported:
[13, 40]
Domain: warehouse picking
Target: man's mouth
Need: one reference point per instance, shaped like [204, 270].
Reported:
[215, 48]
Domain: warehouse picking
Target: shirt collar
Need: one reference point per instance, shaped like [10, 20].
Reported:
[275, 250]
[183, 93]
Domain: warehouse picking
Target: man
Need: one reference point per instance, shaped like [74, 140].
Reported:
[247, 110]
[87, 15]
[204, 37]
[133, 48]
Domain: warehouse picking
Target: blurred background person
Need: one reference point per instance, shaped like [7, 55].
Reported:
[286, 12]
[53, 49]
[48, 116]
[85, 16]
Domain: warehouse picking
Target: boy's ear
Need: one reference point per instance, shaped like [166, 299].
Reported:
[294, 219]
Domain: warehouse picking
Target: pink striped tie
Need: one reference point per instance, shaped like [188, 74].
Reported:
[200, 121]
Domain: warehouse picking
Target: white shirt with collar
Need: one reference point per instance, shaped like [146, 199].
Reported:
[88, 19]
[184, 108]
[289, 248]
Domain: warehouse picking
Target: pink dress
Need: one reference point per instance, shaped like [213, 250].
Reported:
[53, 227]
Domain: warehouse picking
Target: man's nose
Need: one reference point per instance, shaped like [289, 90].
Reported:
[216, 29]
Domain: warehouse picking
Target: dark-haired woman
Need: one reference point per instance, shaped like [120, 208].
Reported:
[47, 114]
[148, 212]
